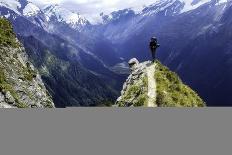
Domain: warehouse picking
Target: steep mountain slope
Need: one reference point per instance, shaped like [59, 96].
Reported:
[73, 28]
[212, 59]
[69, 83]
[77, 30]
[20, 84]
[154, 85]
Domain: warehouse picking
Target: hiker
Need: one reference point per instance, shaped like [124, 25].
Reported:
[153, 46]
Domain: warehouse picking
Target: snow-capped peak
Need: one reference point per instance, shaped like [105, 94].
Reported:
[13, 5]
[75, 20]
[192, 4]
[30, 10]
[219, 2]
[176, 6]
[158, 6]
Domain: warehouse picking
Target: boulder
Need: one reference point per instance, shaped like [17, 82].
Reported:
[9, 99]
[133, 63]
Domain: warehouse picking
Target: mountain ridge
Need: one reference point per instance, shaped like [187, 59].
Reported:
[154, 85]
[28, 8]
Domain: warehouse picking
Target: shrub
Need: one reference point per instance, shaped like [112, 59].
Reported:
[7, 35]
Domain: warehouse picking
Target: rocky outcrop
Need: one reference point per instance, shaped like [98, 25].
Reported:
[20, 84]
[134, 92]
[154, 85]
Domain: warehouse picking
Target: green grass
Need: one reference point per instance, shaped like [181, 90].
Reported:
[7, 35]
[22, 105]
[9, 63]
[171, 92]
[6, 87]
[29, 74]
[138, 92]
[141, 101]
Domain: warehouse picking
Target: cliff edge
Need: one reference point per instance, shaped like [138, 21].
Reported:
[154, 85]
[20, 84]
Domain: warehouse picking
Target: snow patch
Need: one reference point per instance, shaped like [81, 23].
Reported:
[64, 15]
[11, 4]
[189, 5]
[162, 5]
[30, 10]
[7, 16]
[221, 2]
[158, 6]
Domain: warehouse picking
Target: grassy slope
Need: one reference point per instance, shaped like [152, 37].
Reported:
[135, 95]
[7, 36]
[10, 63]
[171, 92]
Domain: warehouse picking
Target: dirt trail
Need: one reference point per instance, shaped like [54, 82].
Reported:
[151, 86]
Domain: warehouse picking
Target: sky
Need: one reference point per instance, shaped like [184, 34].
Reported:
[92, 8]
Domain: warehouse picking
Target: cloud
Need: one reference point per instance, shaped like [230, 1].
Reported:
[92, 8]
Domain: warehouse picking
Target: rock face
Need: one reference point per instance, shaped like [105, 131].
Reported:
[168, 87]
[20, 84]
[135, 90]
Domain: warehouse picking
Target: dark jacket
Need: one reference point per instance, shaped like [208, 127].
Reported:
[154, 45]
